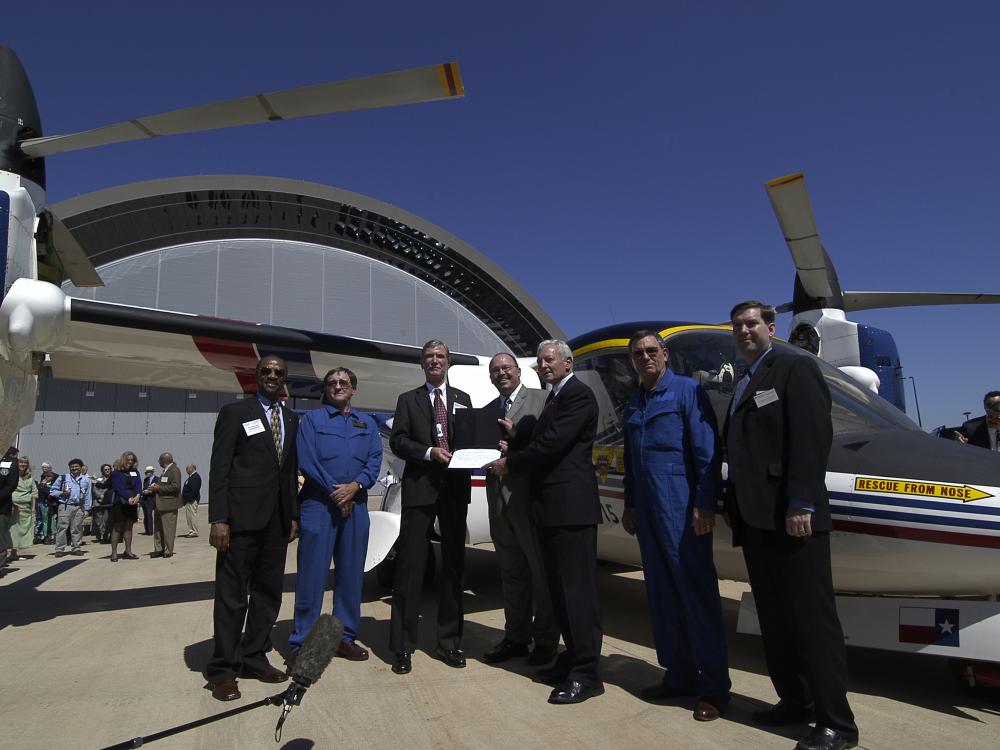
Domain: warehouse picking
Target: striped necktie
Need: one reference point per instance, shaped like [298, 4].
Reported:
[276, 428]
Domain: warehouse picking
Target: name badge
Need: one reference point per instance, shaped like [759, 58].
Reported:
[253, 427]
[763, 398]
[456, 406]
[164, 479]
[134, 473]
[5, 464]
[358, 423]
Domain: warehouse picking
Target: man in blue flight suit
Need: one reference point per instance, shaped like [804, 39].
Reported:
[672, 481]
[340, 453]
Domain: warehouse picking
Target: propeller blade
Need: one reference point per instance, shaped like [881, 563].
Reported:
[61, 243]
[426, 84]
[793, 209]
[878, 300]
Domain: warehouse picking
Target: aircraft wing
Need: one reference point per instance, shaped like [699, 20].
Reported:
[109, 342]
[878, 300]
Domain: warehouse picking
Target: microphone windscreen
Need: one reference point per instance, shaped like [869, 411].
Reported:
[318, 649]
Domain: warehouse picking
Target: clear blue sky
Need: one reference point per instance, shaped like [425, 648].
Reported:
[610, 156]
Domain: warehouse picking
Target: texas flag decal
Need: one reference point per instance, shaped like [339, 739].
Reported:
[938, 627]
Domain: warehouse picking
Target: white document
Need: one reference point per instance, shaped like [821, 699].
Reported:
[456, 406]
[473, 458]
[763, 398]
[253, 427]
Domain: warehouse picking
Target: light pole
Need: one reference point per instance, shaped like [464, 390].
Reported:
[916, 400]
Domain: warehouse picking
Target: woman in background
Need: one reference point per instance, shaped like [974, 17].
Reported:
[126, 485]
[100, 512]
[25, 496]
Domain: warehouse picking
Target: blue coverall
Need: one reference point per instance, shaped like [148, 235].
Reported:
[333, 448]
[672, 464]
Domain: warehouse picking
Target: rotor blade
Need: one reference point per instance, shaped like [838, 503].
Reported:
[74, 261]
[424, 84]
[878, 300]
[792, 207]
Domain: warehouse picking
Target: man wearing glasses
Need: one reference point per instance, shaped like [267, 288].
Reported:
[340, 453]
[984, 431]
[672, 481]
[253, 510]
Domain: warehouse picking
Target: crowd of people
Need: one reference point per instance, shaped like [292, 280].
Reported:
[544, 510]
[60, 509]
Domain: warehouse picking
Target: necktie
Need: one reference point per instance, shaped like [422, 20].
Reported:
[441, 418]
[548, 399]
[276, 428]
[506, 404]
[741, 386]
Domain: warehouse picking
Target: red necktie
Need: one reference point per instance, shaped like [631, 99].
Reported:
[441, 418]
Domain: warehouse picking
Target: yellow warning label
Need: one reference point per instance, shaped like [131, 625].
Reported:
[965, 493]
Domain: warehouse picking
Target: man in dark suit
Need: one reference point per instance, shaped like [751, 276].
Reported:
[984, 431]
[421, 435]
[253, 511]
[148, 500]
[778, 438]
[527, 605]
[559, 460]
[191, 495]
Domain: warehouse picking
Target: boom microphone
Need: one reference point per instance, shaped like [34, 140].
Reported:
[317, 652]
[318, 649]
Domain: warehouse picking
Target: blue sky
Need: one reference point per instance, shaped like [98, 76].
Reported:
[611, 157]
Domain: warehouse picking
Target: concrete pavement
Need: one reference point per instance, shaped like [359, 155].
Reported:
[95, 653]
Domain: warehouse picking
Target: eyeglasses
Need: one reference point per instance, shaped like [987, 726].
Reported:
[279, 371]
[994, 406]
[341, 383]
[502, 368]
[649, 351]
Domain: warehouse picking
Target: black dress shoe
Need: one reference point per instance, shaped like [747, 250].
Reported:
[574, 692]
[782, 714]
[267, 673]
[662, 691]
[822, 738]
[708, 710]
[505, 650]
[156, 554]
[226, 690]
[453, 657]
[402, 663]
[540, 656]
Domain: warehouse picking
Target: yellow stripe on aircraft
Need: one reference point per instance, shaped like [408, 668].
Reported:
[622, 343]
[962, 492]
[451, 79]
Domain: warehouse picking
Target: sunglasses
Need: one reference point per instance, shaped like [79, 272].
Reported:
[279, 371]
[649, 351]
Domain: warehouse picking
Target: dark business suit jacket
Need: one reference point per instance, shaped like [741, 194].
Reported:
[977, 432]
[559, 458]
[245, 480]
[779, 450]
[412, 433]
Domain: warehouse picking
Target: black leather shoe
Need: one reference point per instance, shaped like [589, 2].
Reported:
[822, 738]
[541, 656]
[708, 710]
[782, 715]
[402, 664]
[453, 657]
[266, 673]
[574, 692]
[505, 650]
[226, 690]
[662, 691]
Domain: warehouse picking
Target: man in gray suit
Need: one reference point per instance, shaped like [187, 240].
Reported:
[515, 538]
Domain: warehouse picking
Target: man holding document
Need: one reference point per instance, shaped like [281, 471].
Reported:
[422, 432]
[527, 605]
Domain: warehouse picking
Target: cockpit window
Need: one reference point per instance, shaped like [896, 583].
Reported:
[709, 356]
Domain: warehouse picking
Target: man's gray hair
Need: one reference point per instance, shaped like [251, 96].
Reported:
[558, 344]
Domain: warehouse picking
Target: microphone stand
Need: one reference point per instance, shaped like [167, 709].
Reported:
[292, 696]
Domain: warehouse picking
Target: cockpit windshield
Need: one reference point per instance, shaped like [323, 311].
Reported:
[709, 356]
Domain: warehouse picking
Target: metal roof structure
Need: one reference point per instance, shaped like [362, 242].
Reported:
[126, 220]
